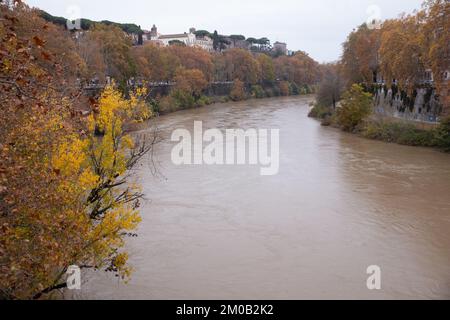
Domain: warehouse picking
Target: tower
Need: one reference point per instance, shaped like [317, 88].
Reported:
[154, 32]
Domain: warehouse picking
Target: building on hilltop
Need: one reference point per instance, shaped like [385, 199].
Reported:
[153, 33]
[280, 47]
[187, 38]
[190, 39]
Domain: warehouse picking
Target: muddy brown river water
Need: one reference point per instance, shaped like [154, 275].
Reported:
[339, 204]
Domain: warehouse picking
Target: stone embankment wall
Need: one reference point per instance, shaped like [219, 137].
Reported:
[214, 89]
[423, 106]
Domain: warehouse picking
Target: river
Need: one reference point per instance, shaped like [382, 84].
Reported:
[339, 204]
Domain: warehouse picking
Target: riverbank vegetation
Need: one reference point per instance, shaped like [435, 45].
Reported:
[398, 132]
[355, 107]
[394, 54]
[354, 114]
[240, 73]
[66, 194]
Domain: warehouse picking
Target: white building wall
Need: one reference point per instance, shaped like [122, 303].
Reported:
[189, 39]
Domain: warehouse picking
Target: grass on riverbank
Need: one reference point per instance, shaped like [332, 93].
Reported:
[391, 131]
[397, 132]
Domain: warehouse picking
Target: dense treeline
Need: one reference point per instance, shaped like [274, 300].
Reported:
[86, 24]
[66, 195]
[193, 69]
[399, 54]
[108, 52]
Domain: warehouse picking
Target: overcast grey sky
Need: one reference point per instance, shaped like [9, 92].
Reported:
[318, 27]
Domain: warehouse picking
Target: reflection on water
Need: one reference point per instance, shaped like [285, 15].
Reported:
[339, 204]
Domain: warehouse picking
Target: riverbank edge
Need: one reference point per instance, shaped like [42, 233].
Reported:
[392, 130]
[224, 99]
[135, 127]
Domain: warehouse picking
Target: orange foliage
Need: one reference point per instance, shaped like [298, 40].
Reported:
[300, 69]
[360, 57]
[194, 58]
[64, 197]
[240, 64]
[190, 81]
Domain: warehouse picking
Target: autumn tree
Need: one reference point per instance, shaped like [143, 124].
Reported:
[60, 54]
[240, 64]
[306, 69]
[187, 92]
[33, 120]
[401, 53]
[190, 81]
[402, 50]
[115, 47]
[360, 62]
[90, 50]
[155, 63]
[300, 69]
[65, 196]
[194, 58]
[238, 91]
[331, 86]
[356, 105]
[435, 42]
[267, 68]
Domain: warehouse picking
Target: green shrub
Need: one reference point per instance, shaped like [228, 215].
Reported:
[416, 137]
[168, 104]
[295, 90]
[442, 135]
[204, 101]
[183, 99]
[258, 92]
[401, 133]
[225, 99]
[329, 120]
[320, 112]
[154, 105]
[356, 106]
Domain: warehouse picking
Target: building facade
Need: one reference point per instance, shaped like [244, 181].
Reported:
[280, 47]
[188, 38]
